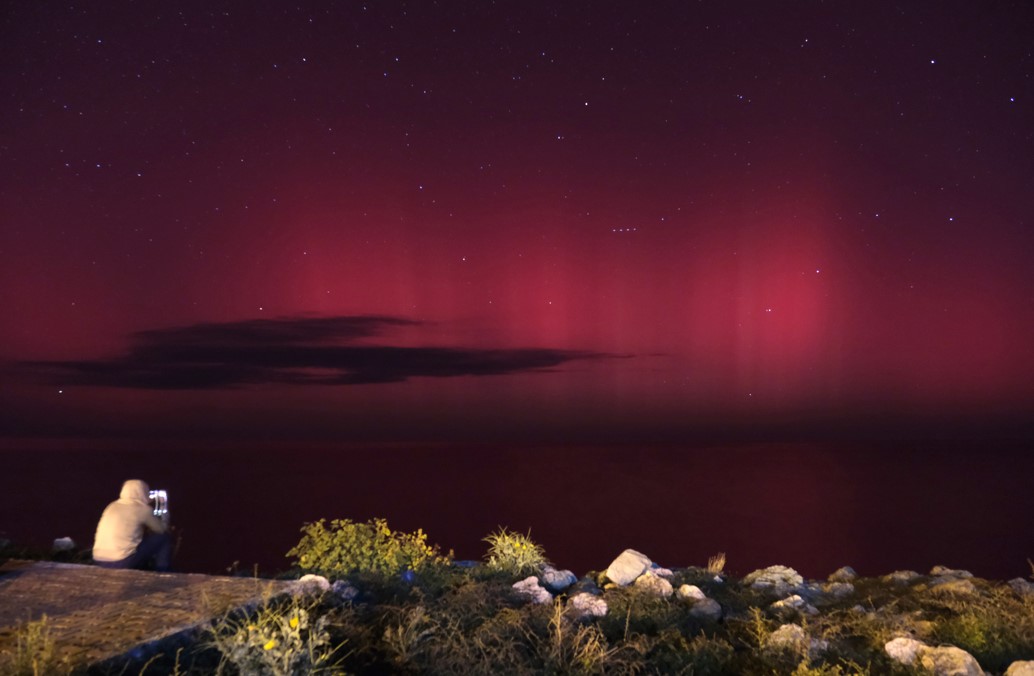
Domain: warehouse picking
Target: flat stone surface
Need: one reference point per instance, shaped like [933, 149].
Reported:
[95, 614]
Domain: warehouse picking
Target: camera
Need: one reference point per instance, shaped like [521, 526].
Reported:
[160, 499]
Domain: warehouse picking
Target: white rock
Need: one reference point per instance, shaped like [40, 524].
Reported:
[312, 584]
[530, 589]
[1021, 587]
[557, 580]
[901, 577]
[794, 603]
[706, 609]
[628, 566]
[653, 584]
[948, 660]
[844, 574]
[944, 571]
[954, 585]
[780, 580]
[839, 590]
[904, 650]
[65, 544]
[662, 572]
[940, 661]
[587, 605]
[792, 637]
[1021, 668]
[692, 592]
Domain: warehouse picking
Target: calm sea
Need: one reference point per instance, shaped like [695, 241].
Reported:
[814, 507]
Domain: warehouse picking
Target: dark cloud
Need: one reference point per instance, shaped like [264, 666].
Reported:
[295, 350]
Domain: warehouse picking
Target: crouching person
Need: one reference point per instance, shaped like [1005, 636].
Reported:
[129, 535]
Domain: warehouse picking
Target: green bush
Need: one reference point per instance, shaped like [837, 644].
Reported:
[348, 547]
[514, 554]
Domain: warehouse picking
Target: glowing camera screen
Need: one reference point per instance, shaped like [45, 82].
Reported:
[160, 499]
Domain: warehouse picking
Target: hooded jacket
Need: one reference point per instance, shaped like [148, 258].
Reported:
[122, 524]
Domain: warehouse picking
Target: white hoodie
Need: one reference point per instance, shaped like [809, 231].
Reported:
[122, 524]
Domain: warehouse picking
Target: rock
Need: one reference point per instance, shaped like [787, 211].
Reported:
[845, 574]
[949, 661]
[1021, 587]
[859, 608]
[943, 571]
[653, 584]
[792, 637]
[629, 565]
[940, 661]
[956, 586]
[661, 572]
[1021, 668]
[530, 589]
[901, 577]
[792, 604]
[903, 650]
[65, 544]
[586, 605]
[344, 591]
[706, 609]
[691, 592]
[839, 590]
[585, 585]
[312, 584]
[778, 580]
[557, 580]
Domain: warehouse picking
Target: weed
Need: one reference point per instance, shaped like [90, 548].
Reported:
[514, 554]
[34, 651]
[284, 638]
[716, 563]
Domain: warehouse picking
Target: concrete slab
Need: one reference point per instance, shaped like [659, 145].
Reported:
[96, 614]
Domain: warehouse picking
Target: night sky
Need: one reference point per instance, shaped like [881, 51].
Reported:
[557, 221]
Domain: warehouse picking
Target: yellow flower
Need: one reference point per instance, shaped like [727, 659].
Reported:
[270, 644]
[294, 622]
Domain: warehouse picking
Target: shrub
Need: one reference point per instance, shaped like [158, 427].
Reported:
[281, 639]
[366, 548]
[514, 554]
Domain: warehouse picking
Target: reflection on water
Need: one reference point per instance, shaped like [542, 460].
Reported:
[814, 507]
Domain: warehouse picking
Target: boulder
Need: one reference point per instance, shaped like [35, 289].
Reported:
[953, 586]
[1021, 587]
[948, 660]
[629, 565]
[585, 585]
[585, 605]
[838, 590]
[944, 571]
[691, 592]
[530, 589]
[557, 580]
[65, 544]
[344, 591]
[779, 580]
[901, 577]
[312, 584]
[653, 584]
[940, 661]
[793, 604]
[706, 609]
[845, 574]
[662, 572]
[792, 637]
[903, 650]
[1021, 668]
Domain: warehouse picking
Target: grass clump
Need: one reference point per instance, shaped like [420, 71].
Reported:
[371, 548]
[283, 638]
[34, 652]
[514, 554]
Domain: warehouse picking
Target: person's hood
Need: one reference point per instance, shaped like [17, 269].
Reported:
[135, 490]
